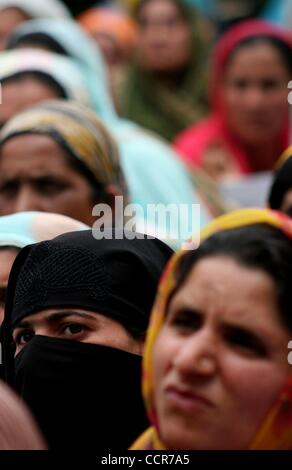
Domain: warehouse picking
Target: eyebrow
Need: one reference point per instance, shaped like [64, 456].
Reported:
[55, 317]
[224, 324]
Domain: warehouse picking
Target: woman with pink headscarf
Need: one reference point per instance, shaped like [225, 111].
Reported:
[248, 127]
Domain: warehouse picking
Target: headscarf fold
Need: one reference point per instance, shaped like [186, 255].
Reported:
[38, 8]
[195, 141]
[276, 431]
[79, 131]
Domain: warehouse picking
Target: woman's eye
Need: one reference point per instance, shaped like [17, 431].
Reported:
[246, 342]
[73, 329]
[24, 337]
[186, 320]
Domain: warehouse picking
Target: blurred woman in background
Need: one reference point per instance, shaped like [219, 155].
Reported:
[248, 127]
[16, 12]
[140, 151]
[59, 157]
[164, 90]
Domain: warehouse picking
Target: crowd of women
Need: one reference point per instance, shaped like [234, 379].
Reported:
[133, 335]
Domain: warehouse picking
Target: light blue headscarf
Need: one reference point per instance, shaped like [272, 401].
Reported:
[24, 228]
[38, 8]
[274, 10]
[153, 171]
[61, 69]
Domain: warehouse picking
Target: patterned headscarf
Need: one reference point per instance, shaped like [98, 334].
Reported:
[79, 131]
[276, 431]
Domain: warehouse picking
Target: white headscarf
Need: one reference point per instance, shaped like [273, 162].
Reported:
[38, 8]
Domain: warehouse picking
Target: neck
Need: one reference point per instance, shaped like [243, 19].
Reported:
[169, 78]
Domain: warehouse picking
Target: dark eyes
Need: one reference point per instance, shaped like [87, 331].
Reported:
[49, 186]
[45, 186]
[72, 329]
[266, 85]
[245, 341]
[24, 337]
[9, 188]
[185, 320]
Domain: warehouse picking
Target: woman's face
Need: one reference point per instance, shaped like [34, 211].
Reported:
[220, 358]
[18, 95]
[254, 94]
[35, 176]
[75, 324]
[164, 38]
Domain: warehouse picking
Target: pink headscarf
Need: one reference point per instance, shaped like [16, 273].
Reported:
[193, 142]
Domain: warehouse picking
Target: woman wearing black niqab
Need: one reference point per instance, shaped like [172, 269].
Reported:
[76, 311]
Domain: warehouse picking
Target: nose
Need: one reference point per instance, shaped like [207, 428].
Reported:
[255, 97]
[197, 356]
[27, 200]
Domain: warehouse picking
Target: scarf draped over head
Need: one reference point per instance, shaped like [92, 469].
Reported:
[195, 141]
[282, 180]
[37, 8]
[79, 131]
[168, 111]
[24, 228]
[61, 70]
[276, 431]
[81, 49]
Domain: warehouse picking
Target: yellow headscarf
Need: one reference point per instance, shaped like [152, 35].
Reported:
[276, 431]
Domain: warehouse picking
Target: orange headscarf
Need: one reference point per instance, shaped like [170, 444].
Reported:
[113, 23]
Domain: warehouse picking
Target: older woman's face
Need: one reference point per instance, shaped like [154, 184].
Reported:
[254, 94]
[164, 40]
[220, 358]
[34, 176]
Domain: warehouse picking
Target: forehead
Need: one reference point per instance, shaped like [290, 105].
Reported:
[40, 150]
[221, 285]
[253, 57]
[159, 9]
